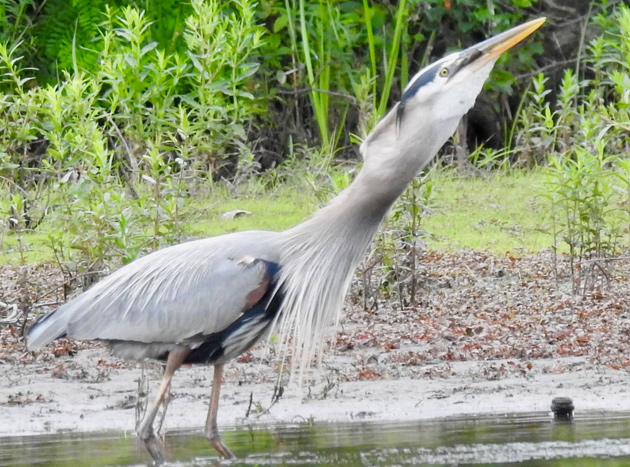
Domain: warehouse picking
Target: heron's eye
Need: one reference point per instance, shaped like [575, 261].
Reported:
[444, 72]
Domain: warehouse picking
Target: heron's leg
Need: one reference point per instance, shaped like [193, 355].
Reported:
[212, 431]
[165, 402]
[145, 429]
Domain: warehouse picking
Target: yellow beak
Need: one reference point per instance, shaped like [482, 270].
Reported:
[495, 46]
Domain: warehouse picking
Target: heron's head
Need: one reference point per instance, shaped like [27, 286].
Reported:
[439, 95]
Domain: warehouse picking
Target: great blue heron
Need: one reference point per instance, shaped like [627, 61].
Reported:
[207, 301]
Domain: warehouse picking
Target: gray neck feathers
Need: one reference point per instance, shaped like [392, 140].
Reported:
[319, 257]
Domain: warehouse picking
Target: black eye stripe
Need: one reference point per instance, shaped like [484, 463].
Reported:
[430, 74]
[421, 81]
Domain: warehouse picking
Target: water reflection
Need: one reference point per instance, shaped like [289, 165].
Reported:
[523, 440]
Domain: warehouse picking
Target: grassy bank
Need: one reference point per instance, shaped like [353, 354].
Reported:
[497, 213]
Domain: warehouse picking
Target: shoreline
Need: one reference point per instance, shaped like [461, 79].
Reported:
[488, 334]
[41, 404]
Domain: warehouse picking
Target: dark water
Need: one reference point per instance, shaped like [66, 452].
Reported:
[525, 440]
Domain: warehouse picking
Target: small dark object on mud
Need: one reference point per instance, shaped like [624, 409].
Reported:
[562, 408]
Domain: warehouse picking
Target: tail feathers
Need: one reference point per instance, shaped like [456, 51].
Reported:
[47, 329]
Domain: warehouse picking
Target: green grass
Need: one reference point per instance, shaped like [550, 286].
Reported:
[278, 211]
[499, 213]
[35, 249]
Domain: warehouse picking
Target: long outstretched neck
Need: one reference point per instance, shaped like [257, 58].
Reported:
[370, 196]
[390, 166]
[320, 255]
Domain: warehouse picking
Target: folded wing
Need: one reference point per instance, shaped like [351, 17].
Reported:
[168, 296]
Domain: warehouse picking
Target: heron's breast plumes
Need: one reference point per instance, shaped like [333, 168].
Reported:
[318, 261]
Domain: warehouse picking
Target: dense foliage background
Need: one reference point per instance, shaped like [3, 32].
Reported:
[309, 72]
[129, 125]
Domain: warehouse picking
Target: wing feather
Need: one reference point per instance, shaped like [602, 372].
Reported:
[198, 287]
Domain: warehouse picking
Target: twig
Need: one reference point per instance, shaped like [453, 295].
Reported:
[249, 407]
[603, 271]
[78, 276]
[551, 66]
[41, 305]
[306, 90]
[142, 397]
[14, 184]
[123, 171]
[599, 260]
[278, 391]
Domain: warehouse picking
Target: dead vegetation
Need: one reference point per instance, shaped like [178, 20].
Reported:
[470, 306]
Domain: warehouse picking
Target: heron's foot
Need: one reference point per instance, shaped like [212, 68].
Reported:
[217, 443]
[151, 443]
[154, 448]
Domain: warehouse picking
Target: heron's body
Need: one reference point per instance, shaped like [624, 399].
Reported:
[207, 301]
[169, 298]
[176, 296]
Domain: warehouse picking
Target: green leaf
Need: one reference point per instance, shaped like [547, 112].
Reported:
[148, 48]
[250, 69]
[280, 23]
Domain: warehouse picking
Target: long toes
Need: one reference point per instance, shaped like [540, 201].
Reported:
[217, 443]
[154, 447]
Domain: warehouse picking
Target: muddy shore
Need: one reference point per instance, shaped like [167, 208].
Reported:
[489, 334]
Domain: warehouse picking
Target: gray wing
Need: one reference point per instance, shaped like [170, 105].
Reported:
[175, 293]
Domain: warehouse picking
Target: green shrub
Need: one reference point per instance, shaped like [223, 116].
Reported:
[114, 152]
[582, 138]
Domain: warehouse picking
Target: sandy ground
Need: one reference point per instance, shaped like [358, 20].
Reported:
[34, 402]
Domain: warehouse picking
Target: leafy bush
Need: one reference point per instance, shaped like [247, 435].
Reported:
[114, 153]
[580, 190]
[349, 52]
[582, 138]
[325, 50]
